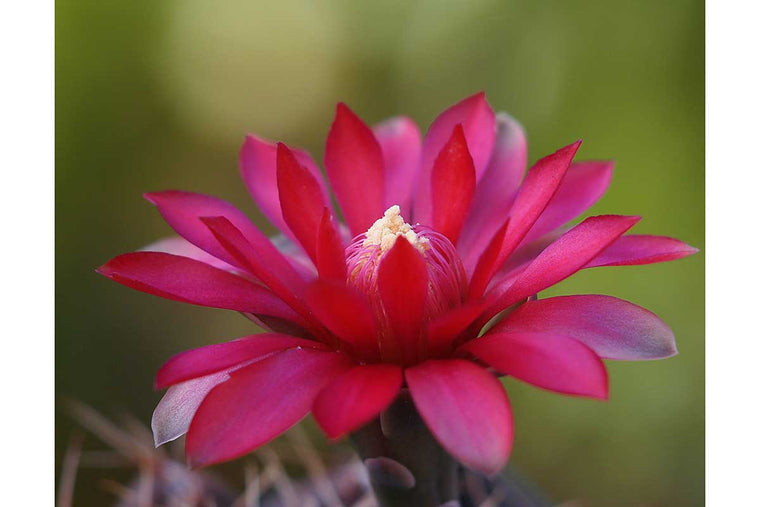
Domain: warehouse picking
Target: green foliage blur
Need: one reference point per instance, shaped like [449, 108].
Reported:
[157, 95]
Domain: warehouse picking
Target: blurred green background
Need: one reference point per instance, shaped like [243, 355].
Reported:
[156, 95]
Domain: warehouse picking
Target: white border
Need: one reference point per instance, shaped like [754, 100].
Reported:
[733, 208]
[26, 276]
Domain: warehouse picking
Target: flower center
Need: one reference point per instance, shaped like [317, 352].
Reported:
[447, 282]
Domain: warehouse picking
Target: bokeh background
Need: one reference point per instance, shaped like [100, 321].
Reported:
[156, 95]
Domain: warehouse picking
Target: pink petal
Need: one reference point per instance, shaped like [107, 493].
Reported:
[220, 356]
[444, 331]
[331, 256]
[496, 190]
[568, 254]
[539, 187]
[466, 409]
[635, 249]
[477, 118]
[259, 171]
[613, 328]
[548, 360]
[190, 281]
[173, 414]
[399, 139]
[453, 183]
[583, 185]
[345, 314]
[177, 245]
[356, 397]
[301, 200]
[487, 263]
[259, 402]
[182, 211]
[261, 259]
[402, 280]
[354, 162]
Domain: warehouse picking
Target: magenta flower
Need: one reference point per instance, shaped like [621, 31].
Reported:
[429, 286]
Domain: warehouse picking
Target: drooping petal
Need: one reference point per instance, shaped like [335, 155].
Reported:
[220, 356]
[466, 409]
[612, 327]
[354, 163]
[261, 259]
[190, 281]
[345, 314]
[539, 187]
[496, 190]
[173, 414]
[568, 254]
[182, 211]
[547, 360]
[402, 280]
[453, 183]
[635, 249]
[400, 141]
[331, 256]
[356, 397]
[259, 172]
[583, 185]
[259, 402]
[301, 200]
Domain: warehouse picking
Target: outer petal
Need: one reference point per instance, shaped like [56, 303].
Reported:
[477, 118]
[190, 281]
[399, 139]
[220, 356]
[548, 360]
[402, 280]
[345, 314]
[173, 414]
[466, 409]
[583, 185]
[562, 258]
[177, 245]
[539, 187]
[496, 189]
[636, 249]
[259, 402]
[258, 169]
[263, 260]
[453, 183]
[182, 211]
[301, 200]
[356, 397]
[354, 163]
[613, 328]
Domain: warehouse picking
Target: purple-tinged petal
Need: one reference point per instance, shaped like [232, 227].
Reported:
[496, 190]
[259, 171]
[612, 327]
[635, 249]
[173, 414]
[583, 185]
[400, 141]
